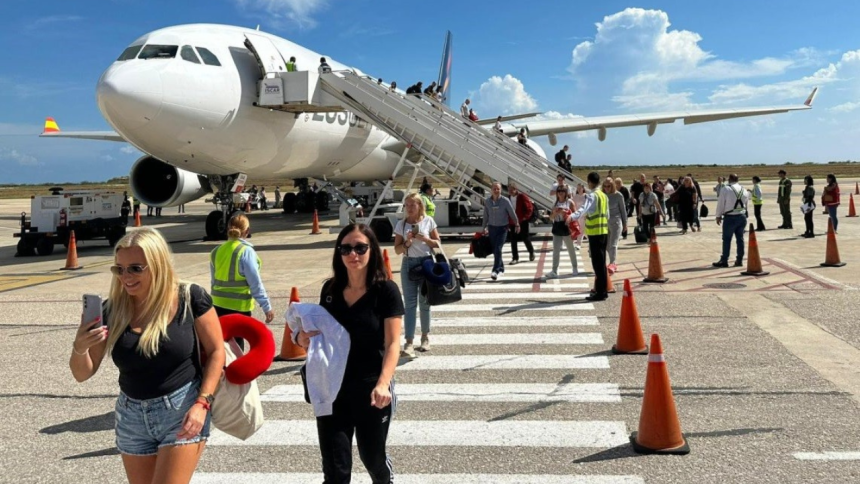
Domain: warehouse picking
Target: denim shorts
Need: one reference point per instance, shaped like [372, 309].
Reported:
[144, 426]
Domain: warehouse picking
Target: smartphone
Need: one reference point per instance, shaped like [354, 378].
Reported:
[415, 230]
[93, 308]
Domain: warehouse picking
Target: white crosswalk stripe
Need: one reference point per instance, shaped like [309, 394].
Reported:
[518, 339]
[501, 286]
[567, 320]
[523, 296]
[298, 478]
[505, 362]
[519, 306]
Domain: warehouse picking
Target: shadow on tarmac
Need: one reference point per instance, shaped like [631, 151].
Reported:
[97, 423]
[95, 453]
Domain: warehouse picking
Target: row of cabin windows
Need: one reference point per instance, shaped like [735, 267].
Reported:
[169, 52]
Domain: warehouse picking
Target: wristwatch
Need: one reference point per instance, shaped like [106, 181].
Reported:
[208, 397]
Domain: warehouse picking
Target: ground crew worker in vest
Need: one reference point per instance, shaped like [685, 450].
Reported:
[757, 202]
[427, 200]
[235, 270]
[291, 65]
[596, 212]
[732, 215]
[784, 200]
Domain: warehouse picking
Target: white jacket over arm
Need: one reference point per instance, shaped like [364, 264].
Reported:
[327, 353]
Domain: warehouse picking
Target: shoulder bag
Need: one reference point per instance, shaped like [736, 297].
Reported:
[438, 295]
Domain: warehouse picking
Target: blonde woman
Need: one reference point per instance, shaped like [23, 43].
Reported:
[562, 208]
[415, 237]
[234, 268]
[150, 321]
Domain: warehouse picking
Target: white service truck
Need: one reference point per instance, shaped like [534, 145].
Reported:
[92, 214]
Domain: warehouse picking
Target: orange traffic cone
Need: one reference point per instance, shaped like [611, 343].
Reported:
[137, 218]
[289, 350]
[630, 340]
[610, 286]
[72, 254]
[387, 264]
[851, 211]
[655, 264]
[831, 258]
[315, 229]
[659, 428]
[753, 259]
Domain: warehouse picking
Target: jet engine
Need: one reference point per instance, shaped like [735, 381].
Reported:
[159, 184]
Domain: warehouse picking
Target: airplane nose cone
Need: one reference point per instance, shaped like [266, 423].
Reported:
[130, 96]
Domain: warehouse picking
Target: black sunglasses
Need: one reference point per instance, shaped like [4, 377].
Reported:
[346, 249]
[134, 269]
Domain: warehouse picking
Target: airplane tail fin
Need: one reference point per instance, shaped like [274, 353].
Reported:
[445, 70]
[50, 126]
[811, 97]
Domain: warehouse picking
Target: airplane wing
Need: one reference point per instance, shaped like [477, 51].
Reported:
[602, 123]
[506, 118]
[52, 130]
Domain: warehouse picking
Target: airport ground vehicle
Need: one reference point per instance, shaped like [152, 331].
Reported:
[92, 214]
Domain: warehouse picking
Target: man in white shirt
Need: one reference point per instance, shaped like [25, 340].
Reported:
[498, 125]
[732, 215]
[464, 108]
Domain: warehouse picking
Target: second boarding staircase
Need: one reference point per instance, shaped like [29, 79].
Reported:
[452, 144]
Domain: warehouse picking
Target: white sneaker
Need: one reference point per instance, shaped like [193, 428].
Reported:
[408, 351]
[514, 262]
[425, 344]
[577, 247]
[550, 275]
[494, 276]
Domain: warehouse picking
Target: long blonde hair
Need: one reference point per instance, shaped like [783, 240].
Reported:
[237, 226]
[417, 197]
[158, 303]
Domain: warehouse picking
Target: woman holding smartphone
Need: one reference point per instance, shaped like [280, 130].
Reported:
[150, 325]
[362, 299]
[414, 238]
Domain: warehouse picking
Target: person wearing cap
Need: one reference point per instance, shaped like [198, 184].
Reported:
[783, 198]
[732, 215]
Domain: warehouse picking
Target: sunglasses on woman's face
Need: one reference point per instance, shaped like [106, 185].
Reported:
[134, 269]
[346, 249]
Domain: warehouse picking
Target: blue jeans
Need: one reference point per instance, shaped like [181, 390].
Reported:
[733, 226]
[412, 298]
[497, 239]
[831, 209]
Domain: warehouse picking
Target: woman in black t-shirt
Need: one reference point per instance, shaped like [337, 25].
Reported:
[369, 306]
[150, 320]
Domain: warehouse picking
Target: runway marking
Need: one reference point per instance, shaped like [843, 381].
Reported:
[518, 321]
[451, 433]
[505, 362]
[499, 286]
[508, 392]
[18, 281]
[517, 296]
[361, 478]
[827, 455]
[535, 306]
[518, 339]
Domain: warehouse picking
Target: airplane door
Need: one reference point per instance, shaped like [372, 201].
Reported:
[267, 54]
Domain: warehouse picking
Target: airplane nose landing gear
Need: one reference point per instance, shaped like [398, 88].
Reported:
[216, 221]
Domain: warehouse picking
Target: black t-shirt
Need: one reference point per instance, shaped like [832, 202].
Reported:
[636, 189]
[176, 362]
[365, 323]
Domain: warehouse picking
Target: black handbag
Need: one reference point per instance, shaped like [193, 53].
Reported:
[481, 247]
[458, 267]
[560, 228]
[703, 212]
[437, 294]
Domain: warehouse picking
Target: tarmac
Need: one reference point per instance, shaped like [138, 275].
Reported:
[520, 385]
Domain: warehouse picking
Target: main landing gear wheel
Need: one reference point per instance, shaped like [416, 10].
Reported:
[289, 203]
[322, 199]
[382, 229]
[216, 226]
[305, 202]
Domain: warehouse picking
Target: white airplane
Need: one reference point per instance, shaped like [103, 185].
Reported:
[185, 96]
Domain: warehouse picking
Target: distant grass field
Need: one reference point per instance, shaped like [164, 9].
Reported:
[702, 173]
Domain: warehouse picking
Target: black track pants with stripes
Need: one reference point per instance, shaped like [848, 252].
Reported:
[353, 414]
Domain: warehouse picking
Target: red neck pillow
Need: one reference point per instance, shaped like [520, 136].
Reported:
[262, 347]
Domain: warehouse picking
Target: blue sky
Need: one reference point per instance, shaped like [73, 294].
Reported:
[561, 58]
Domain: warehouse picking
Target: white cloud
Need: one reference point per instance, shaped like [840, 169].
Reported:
[45, 22]
[128, 149]
[16, 156]
[286, 13]
[845, 107]
[503, 96]
[635, 52]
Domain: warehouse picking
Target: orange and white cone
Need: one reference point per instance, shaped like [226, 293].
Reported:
[831, 258]
[610, 286]
[655, 264]
[851, 211]
[72, 254]
[630, 340]
[137, 218]
[387, 262]
[315, 228]
[753, 259]
[659, 427]
[289, 350]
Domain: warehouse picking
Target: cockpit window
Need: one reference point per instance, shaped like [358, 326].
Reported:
[188, 54]
[129, 53]
[159, 52]
[208, 57]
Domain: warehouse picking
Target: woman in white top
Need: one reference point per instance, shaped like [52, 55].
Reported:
[560, 231]
[415, 237]
[578, 200]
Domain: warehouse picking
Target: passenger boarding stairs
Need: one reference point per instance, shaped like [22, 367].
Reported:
[452, 144]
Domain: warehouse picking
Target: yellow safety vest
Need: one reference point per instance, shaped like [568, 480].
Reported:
[291, 66]
[756, 200]
[597, 223]
[230, 289]
[429, 206]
